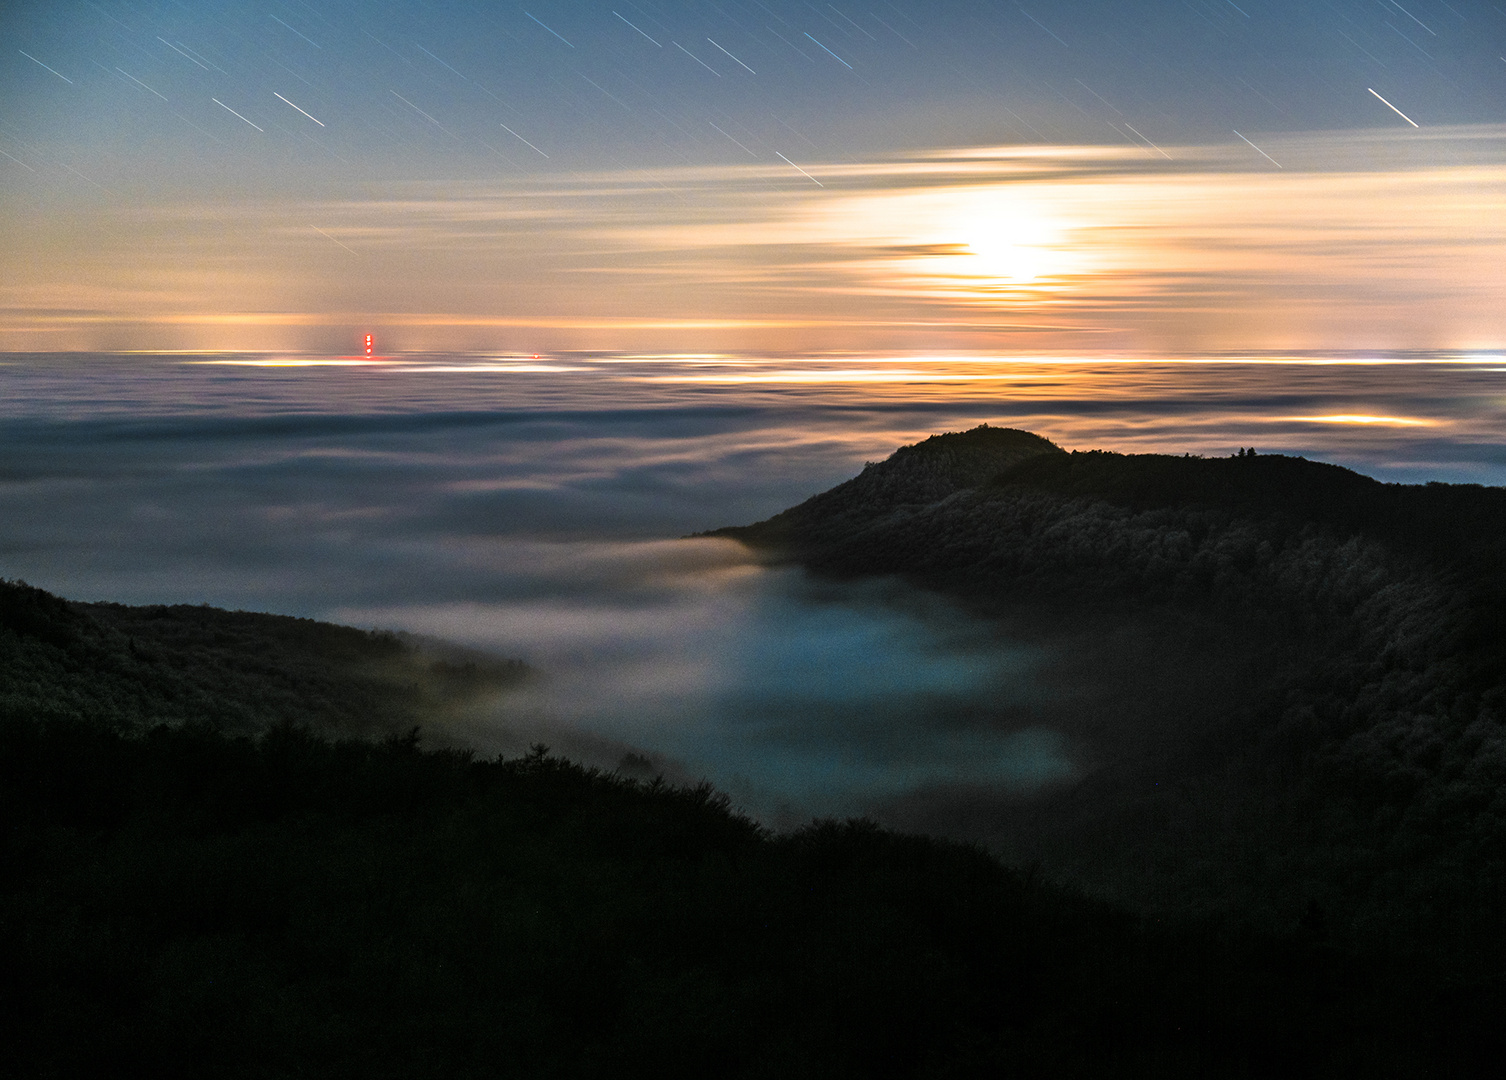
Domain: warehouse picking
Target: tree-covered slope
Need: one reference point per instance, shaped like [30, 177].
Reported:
[914, 476]
[132, 668]
[1012, 508]
[1286, 682]
[183, 903]
[193, 882]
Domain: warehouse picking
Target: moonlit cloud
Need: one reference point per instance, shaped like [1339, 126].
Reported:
[1350, 418]
[948, 177]
[1365, 239]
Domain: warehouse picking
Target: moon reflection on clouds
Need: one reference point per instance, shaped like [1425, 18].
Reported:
[220, 177]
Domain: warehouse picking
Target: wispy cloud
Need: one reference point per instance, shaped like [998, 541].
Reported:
[1362, 239]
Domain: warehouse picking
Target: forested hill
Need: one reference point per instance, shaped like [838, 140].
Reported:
[1004, 517]
[1285, 681]
[238, 672]
[913, 476]
[1030, 492]
[194, 882]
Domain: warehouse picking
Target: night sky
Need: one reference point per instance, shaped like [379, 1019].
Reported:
[906, 176]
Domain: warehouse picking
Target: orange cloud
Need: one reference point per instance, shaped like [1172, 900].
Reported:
[1360, 240]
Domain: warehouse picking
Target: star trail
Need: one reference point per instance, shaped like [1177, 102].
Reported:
[196, 143]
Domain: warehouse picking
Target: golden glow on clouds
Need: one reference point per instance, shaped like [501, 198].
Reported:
[1374, 240]
[828, 375]
[295, 363]
[1350, 418]
[488, 369]
[710, 368]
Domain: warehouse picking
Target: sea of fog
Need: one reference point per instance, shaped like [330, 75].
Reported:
[538, 507]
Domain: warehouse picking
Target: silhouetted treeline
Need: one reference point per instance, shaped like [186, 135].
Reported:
[183, 903]
[137, 667]
[1301, 671]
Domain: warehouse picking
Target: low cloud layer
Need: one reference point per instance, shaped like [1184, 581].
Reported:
[540, 514]
[797, 697]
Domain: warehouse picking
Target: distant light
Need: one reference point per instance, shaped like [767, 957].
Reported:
[368, 344]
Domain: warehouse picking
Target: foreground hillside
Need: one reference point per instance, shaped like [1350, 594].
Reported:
[1285, 682]
[192, 882]
[183, 904]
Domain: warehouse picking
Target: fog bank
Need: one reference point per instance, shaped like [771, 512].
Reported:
[538, 510]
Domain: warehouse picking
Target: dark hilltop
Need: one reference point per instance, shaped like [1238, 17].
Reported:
[227, 851]
[1287, 681]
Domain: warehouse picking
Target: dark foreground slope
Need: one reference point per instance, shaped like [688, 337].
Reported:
[1285, 682]
[192, 883]
[182, 903]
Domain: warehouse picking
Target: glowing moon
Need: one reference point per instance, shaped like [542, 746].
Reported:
[1012, 246]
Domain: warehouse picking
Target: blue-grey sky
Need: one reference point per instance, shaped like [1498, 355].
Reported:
[424, 89]
[334, 164]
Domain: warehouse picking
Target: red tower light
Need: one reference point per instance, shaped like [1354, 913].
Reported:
[368, 344]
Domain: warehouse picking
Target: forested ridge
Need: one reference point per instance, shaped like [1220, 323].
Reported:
[226, 850]
[179, 903]
[1306, 684]
[195, 878]
[133, 668]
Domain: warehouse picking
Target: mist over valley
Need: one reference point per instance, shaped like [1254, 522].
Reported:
[1032, 667]
[1254, 695]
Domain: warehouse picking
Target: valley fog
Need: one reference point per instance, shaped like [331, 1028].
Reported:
[539, 509]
